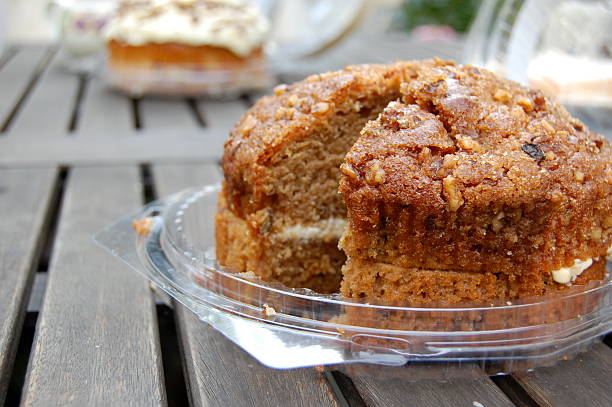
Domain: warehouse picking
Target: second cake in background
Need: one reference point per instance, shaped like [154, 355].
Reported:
[205, 45]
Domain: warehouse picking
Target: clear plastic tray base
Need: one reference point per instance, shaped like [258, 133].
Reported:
[292, 328]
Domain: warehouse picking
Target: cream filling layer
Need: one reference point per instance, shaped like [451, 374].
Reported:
[326, 229]
[237, 25]
[569, 274]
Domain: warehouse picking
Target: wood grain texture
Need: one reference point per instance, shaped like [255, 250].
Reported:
[166, 116]
[24, 202]
[219, 373]
[104, 113]
[453, 393]
[222, 115]
[161, 147]
[97, 339]
[584, 381]
[16, 74]
[47, 111]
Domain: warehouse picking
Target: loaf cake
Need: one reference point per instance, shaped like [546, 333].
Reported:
[196, 43]
[456, 185]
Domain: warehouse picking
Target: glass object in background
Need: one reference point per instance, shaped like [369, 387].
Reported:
[80, 30]
[305, 27]
[562, 47]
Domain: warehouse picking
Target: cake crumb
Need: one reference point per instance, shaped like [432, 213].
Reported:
[508, 302]
[319, 368]
[142, 226]
[269, 311]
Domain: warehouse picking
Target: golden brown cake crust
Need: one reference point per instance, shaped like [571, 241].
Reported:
[281, 167]
[290, 115]
[476, 173]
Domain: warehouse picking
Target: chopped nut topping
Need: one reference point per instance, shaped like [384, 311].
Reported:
[607, 222]
[313, 78]
[284, 113]
[247, 125]
[348, 171]
[579, 176]
[320, 108]
[292, 101]
[596, 233]
[547, 126]
[556, 196]
[468, 143]
[501, 96]
[496, 223]
[269, 311]
[375, 174]
[453, 195]
[280, 89]
[449, 161]
[525, 103]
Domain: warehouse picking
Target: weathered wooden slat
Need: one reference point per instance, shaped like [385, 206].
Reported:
[15, 76]
[96, 341]
[222, 115]
[457, 392]
[6, 54]
[177, 146]
[24, 201]
[219, 373]
[38, 291]
[166, 116]
[47, 111]
[584, 381]
[103, 113]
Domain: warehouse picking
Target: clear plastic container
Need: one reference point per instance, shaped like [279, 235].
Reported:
[173, 246]
[563, 47]
[80, 30]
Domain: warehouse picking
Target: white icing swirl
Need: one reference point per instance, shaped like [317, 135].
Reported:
[237, 25]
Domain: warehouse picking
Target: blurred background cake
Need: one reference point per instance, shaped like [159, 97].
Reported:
[152, 40]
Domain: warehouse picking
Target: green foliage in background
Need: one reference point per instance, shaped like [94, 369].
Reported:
[455, 13]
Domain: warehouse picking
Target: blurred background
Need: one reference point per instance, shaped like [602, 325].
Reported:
[543, 43]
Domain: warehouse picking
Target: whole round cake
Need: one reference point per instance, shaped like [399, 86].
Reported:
[455, 185]
[192, 42]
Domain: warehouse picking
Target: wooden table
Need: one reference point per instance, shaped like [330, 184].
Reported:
[79, 328]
